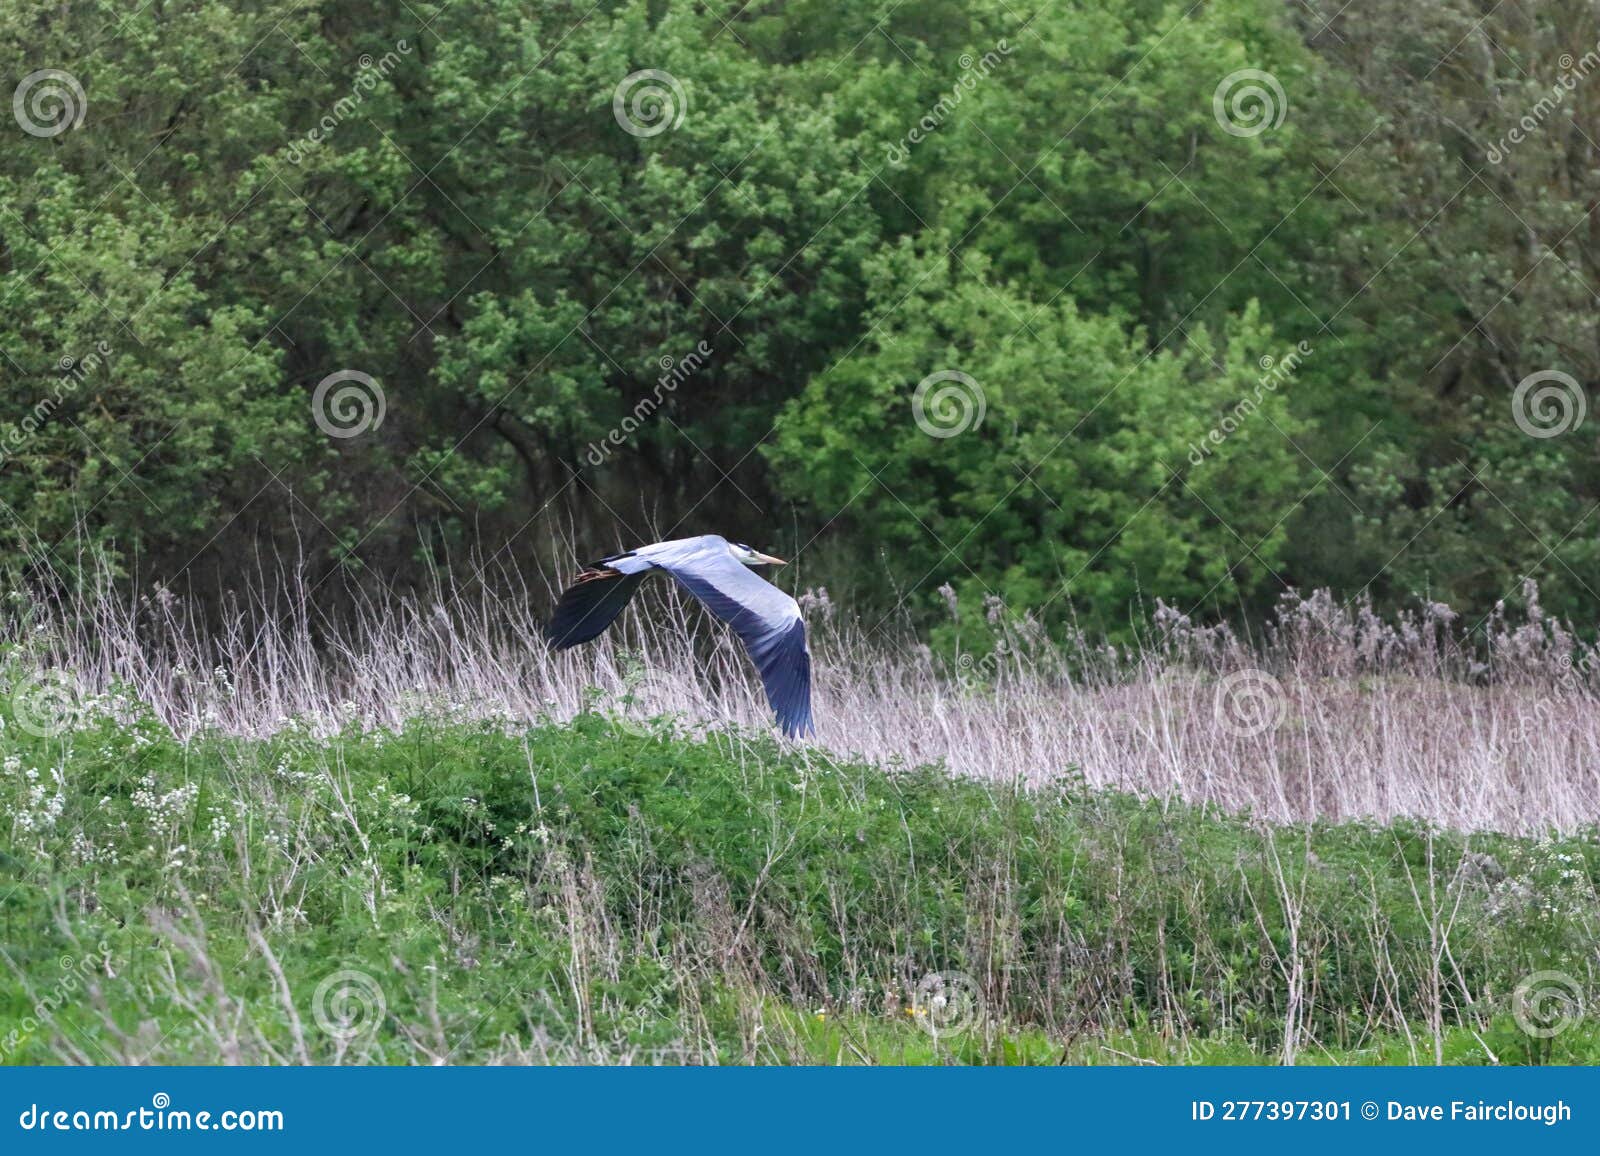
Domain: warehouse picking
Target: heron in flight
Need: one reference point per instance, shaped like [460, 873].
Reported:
[720, 574]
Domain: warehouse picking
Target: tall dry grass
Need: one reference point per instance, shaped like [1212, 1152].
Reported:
[1328, 711]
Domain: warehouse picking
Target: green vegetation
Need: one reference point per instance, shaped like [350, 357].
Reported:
[440, 196]
[598, 892]
[1114, 318]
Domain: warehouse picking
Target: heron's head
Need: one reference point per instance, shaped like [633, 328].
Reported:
[753, 557]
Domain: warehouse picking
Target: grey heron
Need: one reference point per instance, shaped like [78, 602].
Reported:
[718, 573]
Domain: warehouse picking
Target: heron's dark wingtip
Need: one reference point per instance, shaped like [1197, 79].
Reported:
[559, 634]
[565, 634]
[796, 726]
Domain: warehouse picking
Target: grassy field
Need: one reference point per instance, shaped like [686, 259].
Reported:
[602, 890]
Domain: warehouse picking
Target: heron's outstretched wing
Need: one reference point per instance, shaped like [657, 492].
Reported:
[590, 605]
[766, 620]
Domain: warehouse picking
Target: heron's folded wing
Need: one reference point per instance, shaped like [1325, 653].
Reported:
[766, 620]
[590, 605]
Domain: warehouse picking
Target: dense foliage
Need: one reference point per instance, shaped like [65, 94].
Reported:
[526, 249]
[592, 891]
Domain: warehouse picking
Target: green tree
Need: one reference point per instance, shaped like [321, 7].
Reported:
[1070, 468]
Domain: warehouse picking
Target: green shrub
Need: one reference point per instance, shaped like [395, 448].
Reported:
[583, 891]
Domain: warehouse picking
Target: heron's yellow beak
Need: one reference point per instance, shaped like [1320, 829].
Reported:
[769, 560]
